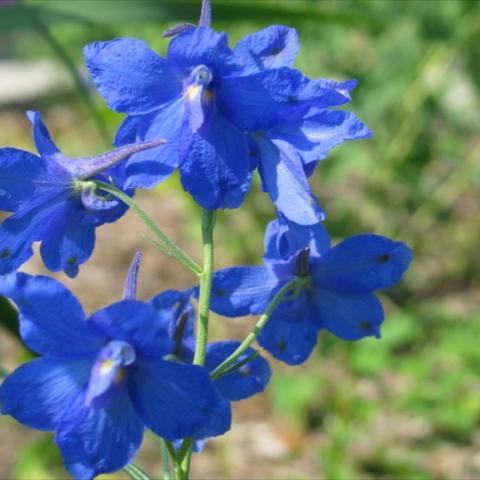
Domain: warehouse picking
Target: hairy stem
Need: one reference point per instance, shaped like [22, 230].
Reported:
[170, 247]
[208, 224]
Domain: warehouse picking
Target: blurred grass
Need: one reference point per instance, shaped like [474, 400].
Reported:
[407, 406]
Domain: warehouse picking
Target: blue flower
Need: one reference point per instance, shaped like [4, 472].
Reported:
[337, 292]
[175, 316]
[50, 205]
[176, 96]
[176, 312]
[248, 380]
[100, 381]
[224, 113]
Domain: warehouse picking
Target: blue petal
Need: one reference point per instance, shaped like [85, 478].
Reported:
[248, 380]
[215, 166]
[147, 169]
[314, 135]
[177, 401]
[284, 239]
[99, 440]
[133, 322]
[198, 445]
[52, 321]
[202, 46]
[29, 224]
[131, 77]
[128, 130]
[176, 313]
[70, 238]
[253, 102]
[285, 182]
[290, 342]
[327, 93]
[259, 101]
[24, 176]
[363, 263]
[273, 47]
[38, 392]
[240, 291]
[41, 136]
[219, 420]
[348, 316]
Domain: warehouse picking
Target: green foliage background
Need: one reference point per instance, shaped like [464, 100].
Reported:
[395, 408]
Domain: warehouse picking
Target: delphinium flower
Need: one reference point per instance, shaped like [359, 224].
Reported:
[101, 380]
[250, 374]
[224, 113]
[178, 314]
[52, 202]
[295, 127]
[175, 315]
[335, 290]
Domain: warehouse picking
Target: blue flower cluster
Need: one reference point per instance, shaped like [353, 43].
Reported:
[225, 113]
[217, 114]
[101, 380]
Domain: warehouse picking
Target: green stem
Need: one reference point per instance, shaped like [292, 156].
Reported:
[3, 373]
[208, 224]
[279, 296]
[136, 472]
[168, 456]
[170, 247]
[243, 362]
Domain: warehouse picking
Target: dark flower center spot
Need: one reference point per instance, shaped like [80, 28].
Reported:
[219, 292]
[275, 51]
[385, 257]
[282, 346]
[5, 253]
[72, 260]
[365, 326]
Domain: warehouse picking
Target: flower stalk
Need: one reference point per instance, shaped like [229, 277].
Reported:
[208, 225]
[228, 363]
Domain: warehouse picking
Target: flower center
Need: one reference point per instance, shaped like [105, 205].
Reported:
[109, 372]
[201, 76]
[200, 79]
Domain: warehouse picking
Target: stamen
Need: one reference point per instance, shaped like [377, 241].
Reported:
[303, 263]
